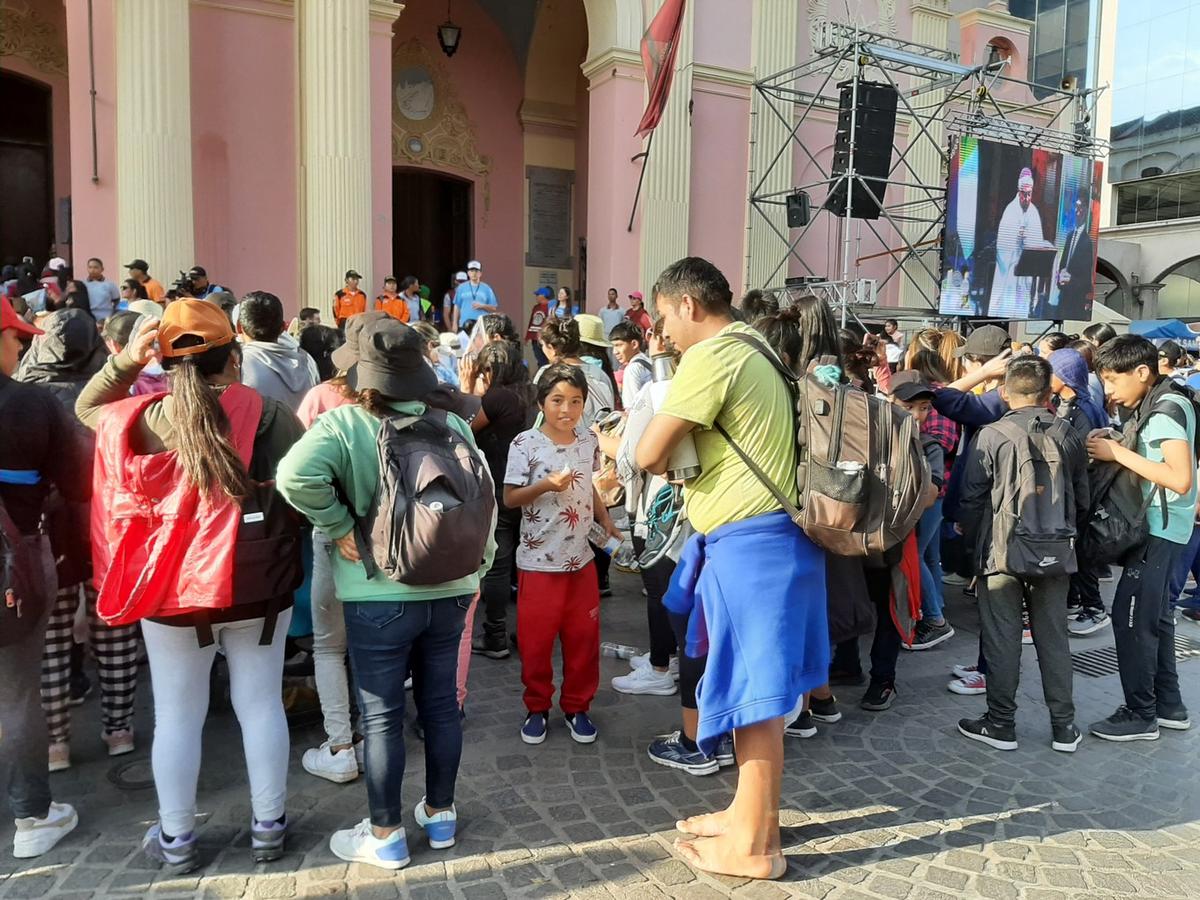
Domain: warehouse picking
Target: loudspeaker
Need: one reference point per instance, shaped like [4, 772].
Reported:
[797, 209]
[874, 131]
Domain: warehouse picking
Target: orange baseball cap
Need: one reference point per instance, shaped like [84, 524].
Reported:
[197, 318]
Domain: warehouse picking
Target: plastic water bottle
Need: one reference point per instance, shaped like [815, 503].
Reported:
[684, 462]
[602, 539]
[619, 651]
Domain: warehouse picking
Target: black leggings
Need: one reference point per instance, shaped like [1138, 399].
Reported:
[655, 580]
[690, 667]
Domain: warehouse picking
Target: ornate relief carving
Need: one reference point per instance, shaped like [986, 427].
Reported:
[819, 13]
[430, 125]
[25, 34]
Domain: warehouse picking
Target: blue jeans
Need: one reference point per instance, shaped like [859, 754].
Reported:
[929, 548]
[1189, 561]
[386, 639]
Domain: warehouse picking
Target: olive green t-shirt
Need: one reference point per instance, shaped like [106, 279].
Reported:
[725, 380]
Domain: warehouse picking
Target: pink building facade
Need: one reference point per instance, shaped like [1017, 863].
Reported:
[279, 143]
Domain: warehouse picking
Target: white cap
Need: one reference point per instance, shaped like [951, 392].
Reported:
[460, 276]
[475, 264]
[59, 263]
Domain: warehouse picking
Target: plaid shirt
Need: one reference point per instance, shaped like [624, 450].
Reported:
[946, 432]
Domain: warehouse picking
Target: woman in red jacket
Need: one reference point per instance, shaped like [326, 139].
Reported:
[190, 537]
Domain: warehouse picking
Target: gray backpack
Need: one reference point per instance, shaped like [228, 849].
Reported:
[435, 505]
[1033, 531]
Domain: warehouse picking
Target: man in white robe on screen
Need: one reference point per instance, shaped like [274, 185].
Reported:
[1020, 228]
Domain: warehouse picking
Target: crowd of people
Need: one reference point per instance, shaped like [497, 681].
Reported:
[186, 473]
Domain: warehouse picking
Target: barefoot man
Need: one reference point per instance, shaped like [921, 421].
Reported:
[750, 587]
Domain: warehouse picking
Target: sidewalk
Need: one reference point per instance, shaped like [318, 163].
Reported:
[885, 805]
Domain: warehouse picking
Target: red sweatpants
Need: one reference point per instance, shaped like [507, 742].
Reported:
[564, 605]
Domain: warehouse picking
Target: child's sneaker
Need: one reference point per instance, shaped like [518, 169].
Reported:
[359, 844]
[179, 855]
[339, 767]
[266, 839]
[824, 710]
[439, 828]
[581, 728]
[36, 836]
[970, 685]
[534, 729]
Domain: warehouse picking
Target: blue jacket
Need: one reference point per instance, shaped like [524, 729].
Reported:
[754, 592]
[972, 413]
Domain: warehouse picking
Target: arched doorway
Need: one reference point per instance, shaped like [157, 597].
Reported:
[26, 169]
[1180, 294]
[431, 226]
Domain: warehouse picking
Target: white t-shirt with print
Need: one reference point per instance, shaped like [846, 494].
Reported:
[554, 527]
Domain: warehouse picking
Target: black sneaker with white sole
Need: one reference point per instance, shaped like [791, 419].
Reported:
[1066, 738]
[984, 730]
[929, 635]
[879, 696]
[1125, 725]
[824, 710]
[1175, 719]
[802, 726]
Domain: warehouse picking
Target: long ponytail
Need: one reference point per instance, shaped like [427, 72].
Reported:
[206, 452]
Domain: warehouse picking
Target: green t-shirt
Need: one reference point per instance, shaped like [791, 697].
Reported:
[1181, 508]
[723, 379]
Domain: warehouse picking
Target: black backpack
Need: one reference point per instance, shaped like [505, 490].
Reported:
[435, 507]
[23, 594]
[1117, 518]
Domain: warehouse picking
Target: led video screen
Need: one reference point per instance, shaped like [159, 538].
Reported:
[1021, 231]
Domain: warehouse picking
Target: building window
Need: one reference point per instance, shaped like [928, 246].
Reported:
[1159, 199]
[1061, 39]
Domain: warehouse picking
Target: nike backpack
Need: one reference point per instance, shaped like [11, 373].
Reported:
[1033, 530]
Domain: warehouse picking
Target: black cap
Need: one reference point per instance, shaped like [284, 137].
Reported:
[909, 385]
[139, 264]
[197, 272]
[985, 342]
[1171, 352]
[352, 274]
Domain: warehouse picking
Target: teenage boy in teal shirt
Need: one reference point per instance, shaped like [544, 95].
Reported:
[1165, 461]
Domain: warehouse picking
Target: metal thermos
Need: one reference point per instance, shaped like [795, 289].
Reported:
[684, 462]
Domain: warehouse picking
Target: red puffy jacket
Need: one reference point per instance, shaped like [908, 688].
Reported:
[159, 546]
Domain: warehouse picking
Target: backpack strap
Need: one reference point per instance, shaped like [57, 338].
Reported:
[788, 506]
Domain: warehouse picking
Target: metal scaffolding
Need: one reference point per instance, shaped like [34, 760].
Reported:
[967, 107]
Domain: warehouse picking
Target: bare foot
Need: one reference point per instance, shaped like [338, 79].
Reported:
[718, 855]
[707, 825]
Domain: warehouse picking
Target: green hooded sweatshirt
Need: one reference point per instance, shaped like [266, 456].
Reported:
[340, 448]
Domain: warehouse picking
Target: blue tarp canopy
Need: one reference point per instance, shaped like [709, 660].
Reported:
[1159, 330]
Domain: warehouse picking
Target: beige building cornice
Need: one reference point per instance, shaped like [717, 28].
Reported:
[386, 10]
[612, 58]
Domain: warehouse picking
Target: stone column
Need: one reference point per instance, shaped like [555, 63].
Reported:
[335, 147]
[931, 21]
[775, 29]
[667, 190]
[154, 136]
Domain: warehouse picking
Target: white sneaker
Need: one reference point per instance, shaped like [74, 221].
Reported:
[359, 844]
[338, 767]
[37, 836]
[118, 742]
[970, 685]
[643, 662]
[645, 681]
[964, 671]
[60, 756]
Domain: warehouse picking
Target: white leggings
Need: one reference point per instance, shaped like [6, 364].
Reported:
[179, 673]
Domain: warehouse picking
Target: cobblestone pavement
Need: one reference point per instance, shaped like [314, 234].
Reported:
[884, 805]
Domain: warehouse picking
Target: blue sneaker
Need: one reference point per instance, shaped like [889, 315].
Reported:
[669, 751]
[581, 728]
[439, 828]
[725, 755]
[359, 844]
[178, 856]
[534, 729]
[266, 839]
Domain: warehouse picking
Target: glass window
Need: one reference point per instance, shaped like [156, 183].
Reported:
[1158, 199]
[1062, 35]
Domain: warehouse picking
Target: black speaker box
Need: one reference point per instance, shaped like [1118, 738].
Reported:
[874, 132]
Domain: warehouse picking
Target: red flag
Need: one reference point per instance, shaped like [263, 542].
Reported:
[659, 44]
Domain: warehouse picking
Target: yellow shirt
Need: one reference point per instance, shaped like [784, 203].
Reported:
[722, 379]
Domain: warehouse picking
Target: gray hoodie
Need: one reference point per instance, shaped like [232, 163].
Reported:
[279, 370]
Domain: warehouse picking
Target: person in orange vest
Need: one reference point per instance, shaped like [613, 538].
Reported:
[349, 301]
[390, 300]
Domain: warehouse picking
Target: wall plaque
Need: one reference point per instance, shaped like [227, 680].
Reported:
[550, 199]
